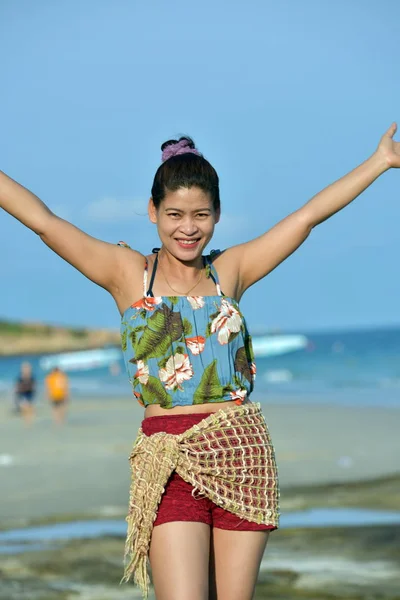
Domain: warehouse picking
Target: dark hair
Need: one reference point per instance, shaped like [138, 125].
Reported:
[185, 171]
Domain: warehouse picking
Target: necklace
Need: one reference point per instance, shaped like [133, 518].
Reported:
[177, 291]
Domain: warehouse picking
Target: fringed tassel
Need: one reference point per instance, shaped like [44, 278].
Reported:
[136, 565]
[151, 466]
[135, 559]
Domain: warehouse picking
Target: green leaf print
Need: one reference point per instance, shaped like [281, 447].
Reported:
[209, 386]
[227, 388]
[238, 382]
[161, 363]
[187, 327]
[242, 363]
[154, 393]
[123, 341]
[249, 347]
[133, 336]
[173, 300]
[163, 328]
[233, 335]
[208, 329]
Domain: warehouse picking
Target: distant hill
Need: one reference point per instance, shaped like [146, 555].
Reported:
[35, 338]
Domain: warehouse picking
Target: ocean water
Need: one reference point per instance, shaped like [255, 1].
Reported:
[14, 541]
[360, 367]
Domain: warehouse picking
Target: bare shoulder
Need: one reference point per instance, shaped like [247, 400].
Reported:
[226, 257]
[129, 276]
[129, 258]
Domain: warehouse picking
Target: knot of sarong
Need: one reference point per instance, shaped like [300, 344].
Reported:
[153, 460]
[164, 446]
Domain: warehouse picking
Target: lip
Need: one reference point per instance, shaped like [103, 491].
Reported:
[182, 242]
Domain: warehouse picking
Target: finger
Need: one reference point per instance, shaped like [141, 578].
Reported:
[392, 130]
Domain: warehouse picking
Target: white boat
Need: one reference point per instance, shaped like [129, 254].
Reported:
[81, 360]
[274, 345]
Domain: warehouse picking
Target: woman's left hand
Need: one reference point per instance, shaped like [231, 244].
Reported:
[389, 149]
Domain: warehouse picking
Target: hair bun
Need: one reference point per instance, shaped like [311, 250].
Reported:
[185, 145]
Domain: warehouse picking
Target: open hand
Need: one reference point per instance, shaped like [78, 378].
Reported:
[390, 149]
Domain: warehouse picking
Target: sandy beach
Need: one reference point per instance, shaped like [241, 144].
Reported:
[83, 468]
[328, 457]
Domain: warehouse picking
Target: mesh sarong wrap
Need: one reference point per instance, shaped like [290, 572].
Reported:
[227, 457]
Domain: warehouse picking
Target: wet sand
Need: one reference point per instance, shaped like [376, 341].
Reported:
[82, 469]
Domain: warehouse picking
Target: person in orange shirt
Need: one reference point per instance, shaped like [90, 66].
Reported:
[57, 388]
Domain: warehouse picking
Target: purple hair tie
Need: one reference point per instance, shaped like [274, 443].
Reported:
[182, 147]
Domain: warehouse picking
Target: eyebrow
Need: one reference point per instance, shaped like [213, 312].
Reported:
[197, 209]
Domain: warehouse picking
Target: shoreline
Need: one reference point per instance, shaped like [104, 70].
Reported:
[20, 351]
[19, 338]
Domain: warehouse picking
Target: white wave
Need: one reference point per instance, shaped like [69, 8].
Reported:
[278, 376]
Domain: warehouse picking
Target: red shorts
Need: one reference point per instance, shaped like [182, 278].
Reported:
[177, 502]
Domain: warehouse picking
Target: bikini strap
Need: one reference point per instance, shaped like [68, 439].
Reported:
[145, 273]
[149, 292]
[212, 272]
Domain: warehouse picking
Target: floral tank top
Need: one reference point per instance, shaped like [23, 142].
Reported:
[184, 350]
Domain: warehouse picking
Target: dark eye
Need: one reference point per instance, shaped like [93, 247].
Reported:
[174, 215]
[203, 215]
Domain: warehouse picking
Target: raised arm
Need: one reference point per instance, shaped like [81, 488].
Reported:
[260, 256]
[98, 261]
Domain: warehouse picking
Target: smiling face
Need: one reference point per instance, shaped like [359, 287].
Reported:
[185, 222]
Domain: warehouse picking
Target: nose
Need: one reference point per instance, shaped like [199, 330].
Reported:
[188, 226]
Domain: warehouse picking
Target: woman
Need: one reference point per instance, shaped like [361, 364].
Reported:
[203, 464]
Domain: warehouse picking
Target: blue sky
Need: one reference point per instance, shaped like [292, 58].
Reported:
[282, 97]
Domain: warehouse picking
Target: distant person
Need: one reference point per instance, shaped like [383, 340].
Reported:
[57, 389]
[204, 480]
[25, 391]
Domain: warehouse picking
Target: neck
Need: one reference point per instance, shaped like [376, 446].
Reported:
[180, 268]
[177, 282]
